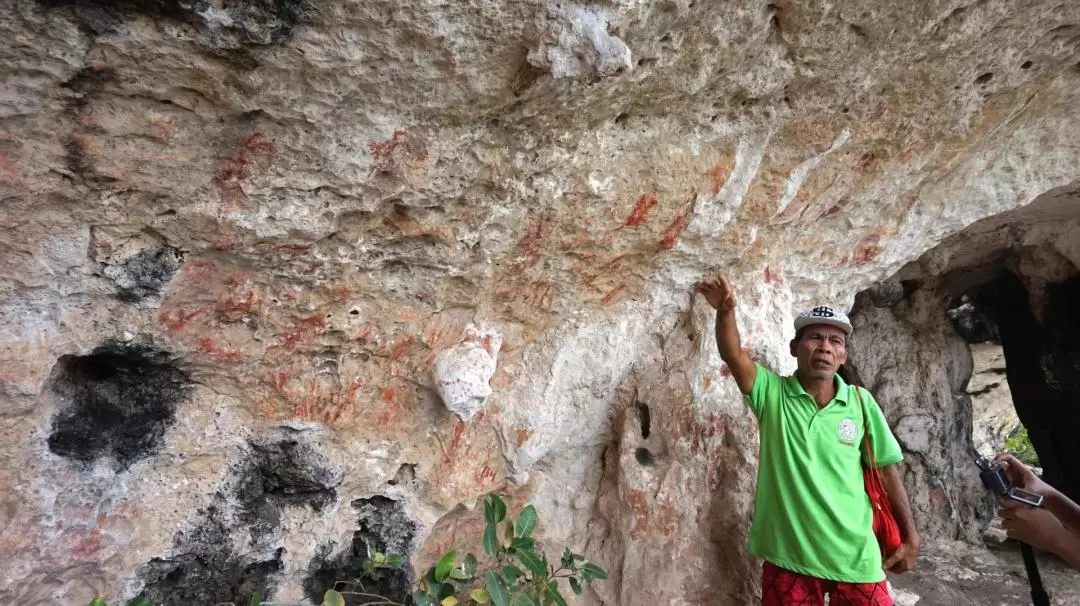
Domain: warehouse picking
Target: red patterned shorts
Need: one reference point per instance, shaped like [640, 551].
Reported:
[781, 587]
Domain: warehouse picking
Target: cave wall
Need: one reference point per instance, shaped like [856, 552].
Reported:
[916, 365]
[343, 254]
[912, 347]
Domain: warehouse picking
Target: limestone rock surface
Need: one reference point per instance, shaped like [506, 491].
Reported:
[263, 221]
[993, 414]
[462, 374]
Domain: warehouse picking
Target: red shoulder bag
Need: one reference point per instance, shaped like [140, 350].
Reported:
[886, 529]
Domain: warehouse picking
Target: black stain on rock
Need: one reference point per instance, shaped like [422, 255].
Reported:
[119, 399]
[282, 473]
[84, 86]
[86, 83]
[405, 475]
[385, 527]
[973, 323]
[887, 294]
[79, 163]
[145, 274]
[644, 456]
[206, 569]
[223, 26]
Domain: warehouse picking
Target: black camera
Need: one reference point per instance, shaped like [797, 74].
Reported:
[995, 479]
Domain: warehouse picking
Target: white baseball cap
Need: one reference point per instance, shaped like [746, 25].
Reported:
[823, 315]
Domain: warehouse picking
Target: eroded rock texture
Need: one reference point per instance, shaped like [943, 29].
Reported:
[303, 205]
[993, 413]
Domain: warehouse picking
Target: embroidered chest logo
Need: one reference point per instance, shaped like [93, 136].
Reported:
[848, 431]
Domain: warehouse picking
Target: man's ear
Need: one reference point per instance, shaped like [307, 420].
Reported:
[843, 358]
[792, 345]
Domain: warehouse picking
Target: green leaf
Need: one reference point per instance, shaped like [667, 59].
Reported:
[512, 573]
[333, 598]
[459, 575]
[567, 558]
[591, 571]
[379, 558]
[480, 595]
[489, 512]
[575, 586]
[509, 533]
[552, 591]
[526, 521]
[445, 590]
[255, 601]
[532, 561]
[491, 542]
[97, 602]
[520, 599]
[448, 601]
[445, 565]
[500, 508]
[422, 599]
[470, 565]
[522, 543]
[496, 587]
[429, 579]
[395, 560]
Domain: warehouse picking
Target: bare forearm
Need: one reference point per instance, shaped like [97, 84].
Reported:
[1067, 547]
[727, 336]
[1064, 509]
[731, 352]
[900, 504]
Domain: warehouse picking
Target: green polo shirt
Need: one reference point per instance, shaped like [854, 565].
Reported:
[811, 512]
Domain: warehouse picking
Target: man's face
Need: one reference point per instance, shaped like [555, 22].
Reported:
[820, 351]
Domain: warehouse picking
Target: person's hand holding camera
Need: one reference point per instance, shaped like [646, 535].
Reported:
[1054, 527]
[1032, 525]
[1021, 476]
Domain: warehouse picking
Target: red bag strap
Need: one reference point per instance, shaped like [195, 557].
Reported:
[875, 472]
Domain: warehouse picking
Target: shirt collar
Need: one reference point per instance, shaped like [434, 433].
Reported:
[794, 388]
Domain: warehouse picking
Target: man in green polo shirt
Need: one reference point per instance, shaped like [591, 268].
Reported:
[812, 522]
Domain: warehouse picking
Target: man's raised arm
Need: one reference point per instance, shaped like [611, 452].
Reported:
[717, 292]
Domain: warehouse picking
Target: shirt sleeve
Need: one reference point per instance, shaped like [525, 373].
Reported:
[765, 392]
[882, 441]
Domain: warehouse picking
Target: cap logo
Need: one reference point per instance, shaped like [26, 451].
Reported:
[822, 312]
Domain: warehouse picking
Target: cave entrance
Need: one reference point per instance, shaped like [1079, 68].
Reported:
[996, 427]
[1040, 339]
[973, 345]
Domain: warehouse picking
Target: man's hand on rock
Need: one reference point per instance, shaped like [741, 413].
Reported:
[718, 293]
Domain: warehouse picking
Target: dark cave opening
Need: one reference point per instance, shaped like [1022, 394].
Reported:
[974, 348]
[1042, 365]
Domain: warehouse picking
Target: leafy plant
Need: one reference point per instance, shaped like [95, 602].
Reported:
[1019, 444]
[516, 572]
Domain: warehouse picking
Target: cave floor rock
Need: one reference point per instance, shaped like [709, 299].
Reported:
[960, 574]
